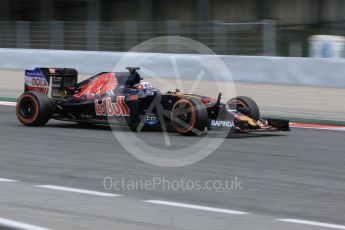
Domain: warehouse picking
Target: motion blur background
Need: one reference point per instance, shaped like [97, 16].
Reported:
[234, 27]
[248, 34]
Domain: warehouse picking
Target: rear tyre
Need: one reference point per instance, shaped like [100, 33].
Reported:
[34, 109]
[245, 105]
[189, 117]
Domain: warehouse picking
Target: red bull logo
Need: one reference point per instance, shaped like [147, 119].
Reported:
[98, 86]
[109, 108]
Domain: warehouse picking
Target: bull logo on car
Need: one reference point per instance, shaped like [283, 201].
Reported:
[109, 108]
[97, 86]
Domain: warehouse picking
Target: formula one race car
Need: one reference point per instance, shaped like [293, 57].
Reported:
[123, 99]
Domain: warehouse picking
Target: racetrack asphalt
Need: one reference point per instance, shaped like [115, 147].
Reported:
[294, 175]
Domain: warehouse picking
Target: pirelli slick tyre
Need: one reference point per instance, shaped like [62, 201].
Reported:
[34, 109]
[245, 105]
[189, 116]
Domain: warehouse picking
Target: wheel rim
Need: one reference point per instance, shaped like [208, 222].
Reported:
[237, 104]
[27, 108]
[183, 116]
[240, 106]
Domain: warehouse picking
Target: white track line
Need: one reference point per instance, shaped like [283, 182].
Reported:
[313, 223]
[75, 190]
[335, 129]
[198, 207]
[8, 103]
[19, 225]
[7, 180]
[332, 129]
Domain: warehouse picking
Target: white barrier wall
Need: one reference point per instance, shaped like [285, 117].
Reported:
[279, 70]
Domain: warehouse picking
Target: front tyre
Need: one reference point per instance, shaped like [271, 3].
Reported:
[245, 105]
[189, 117]
[34, 109]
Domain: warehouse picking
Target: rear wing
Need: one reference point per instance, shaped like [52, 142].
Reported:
[39, 80]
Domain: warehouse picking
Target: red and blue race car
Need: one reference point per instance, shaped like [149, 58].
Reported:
[124, 99]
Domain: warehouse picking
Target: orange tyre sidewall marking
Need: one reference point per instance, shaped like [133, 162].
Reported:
[238, 102]
[181, 130]
[36, 105]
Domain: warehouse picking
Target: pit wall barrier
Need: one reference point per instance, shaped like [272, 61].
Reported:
[256, 69]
